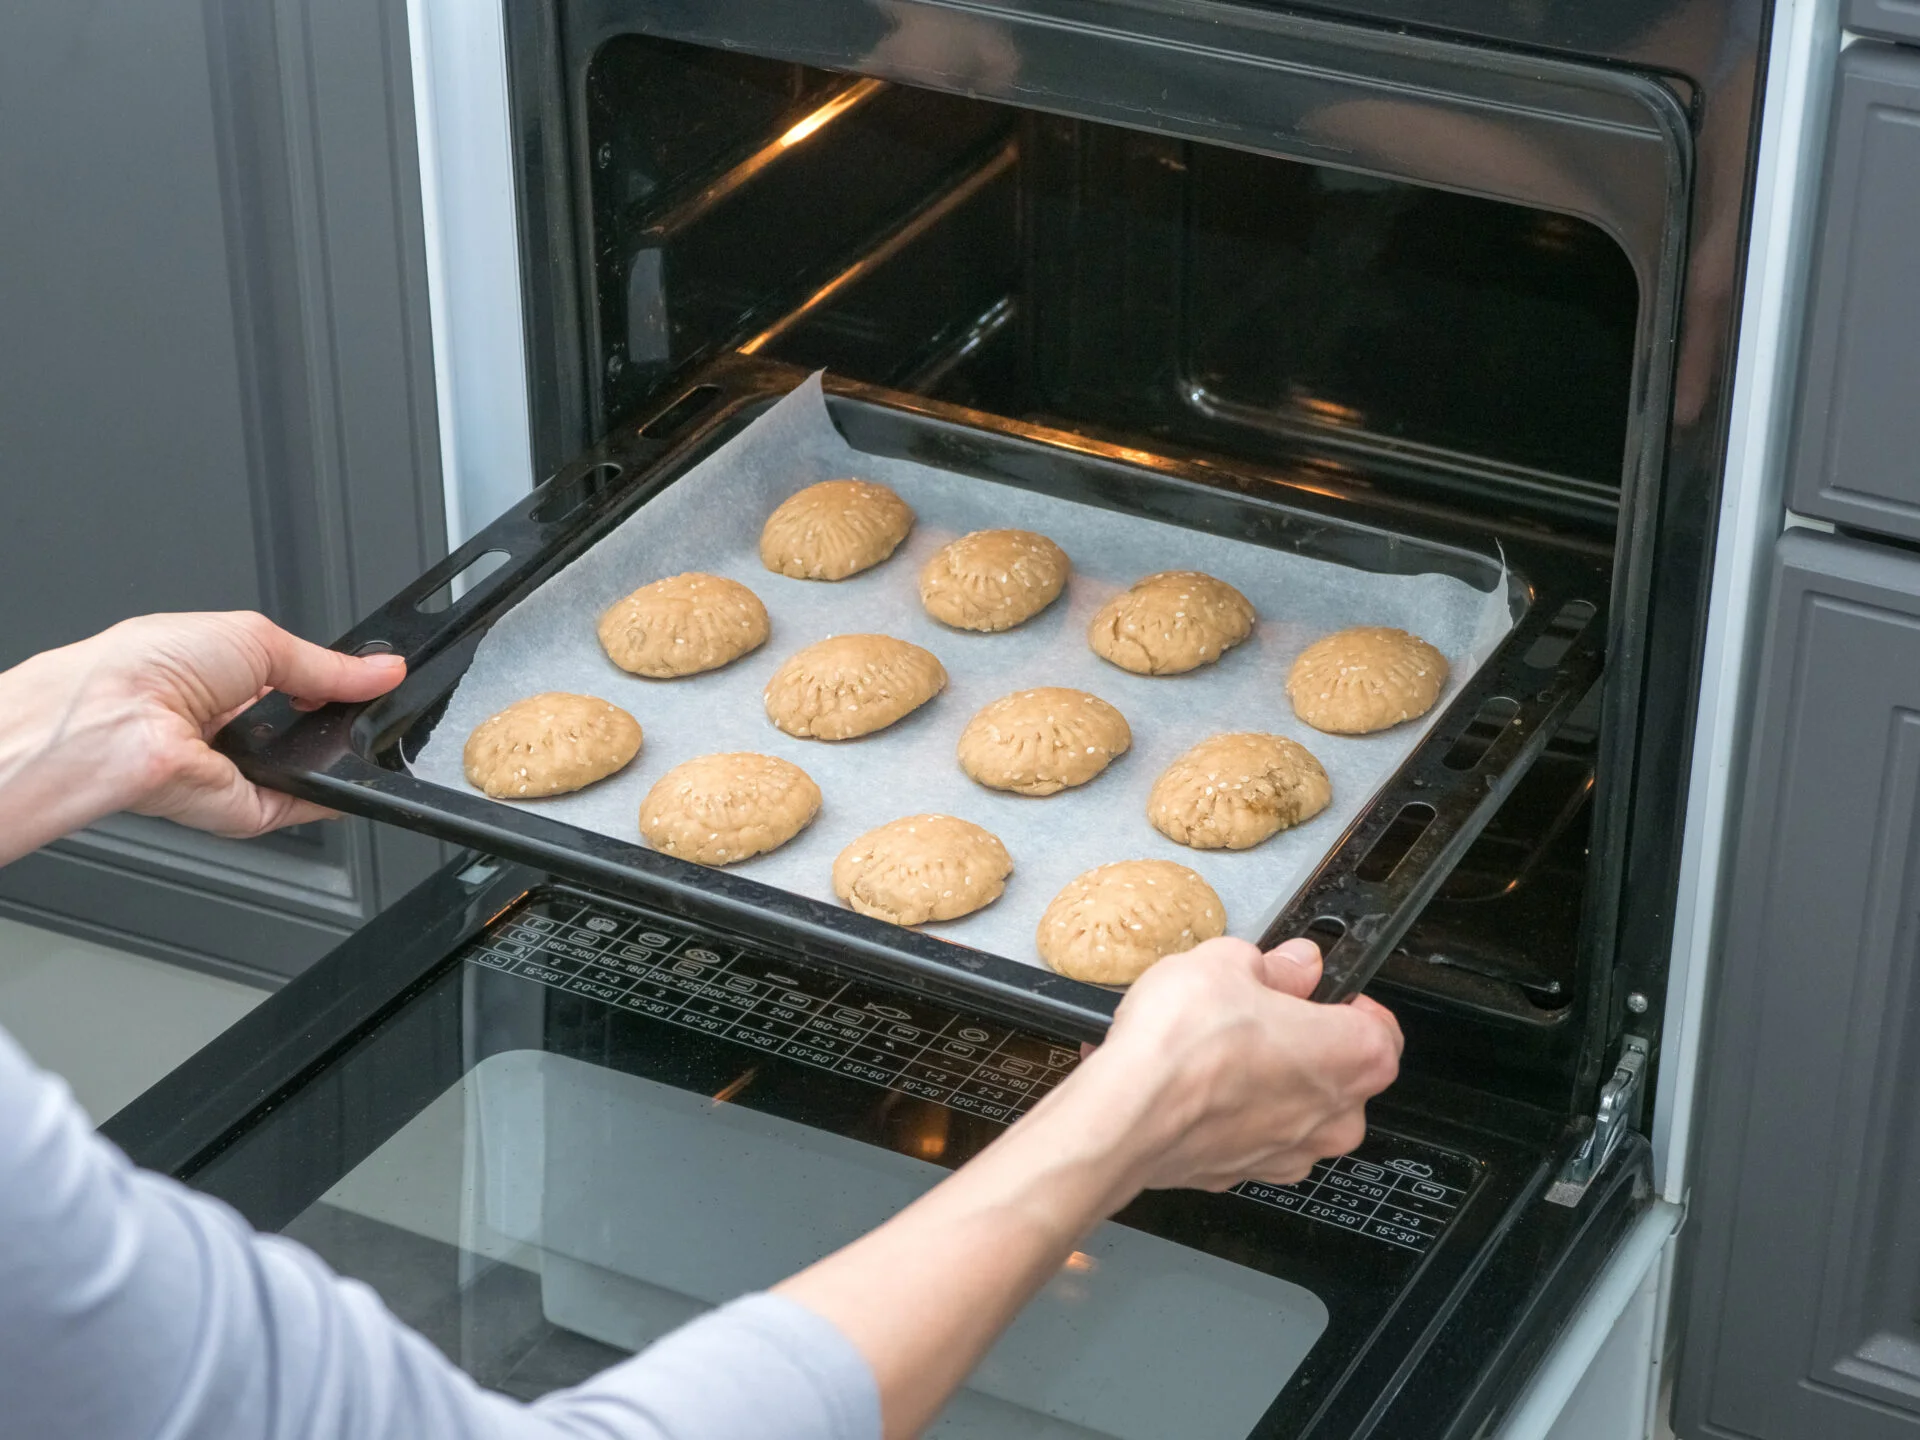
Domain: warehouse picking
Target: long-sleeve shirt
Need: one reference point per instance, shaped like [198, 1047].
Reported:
[132, 1308]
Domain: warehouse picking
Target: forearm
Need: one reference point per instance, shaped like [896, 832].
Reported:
[63, 748]
[131, 1307]
[924, 1296]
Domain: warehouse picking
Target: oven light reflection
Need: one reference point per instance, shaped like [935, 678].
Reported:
[735, 1086]
[1331, 411]
[1079, 1263]
[930, 1143]
[838, 105]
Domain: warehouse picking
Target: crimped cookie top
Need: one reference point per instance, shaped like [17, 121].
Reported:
[549, 744]
[1232, 791]
[1368, 678]
[720, 809]
[1039, 742]
[851, 685]
[834, 529]
[921, 868]
[683, 625]
[1170, 623]
[1111, 923]
[993, 579]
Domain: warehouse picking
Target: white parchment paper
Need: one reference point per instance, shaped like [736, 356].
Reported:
[710, 520]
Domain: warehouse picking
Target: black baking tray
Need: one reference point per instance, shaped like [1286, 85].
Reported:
[1359, 902]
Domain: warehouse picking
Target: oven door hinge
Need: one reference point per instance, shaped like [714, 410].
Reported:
[1618, 1098]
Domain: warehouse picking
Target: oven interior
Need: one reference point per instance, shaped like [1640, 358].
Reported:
[1437, 347]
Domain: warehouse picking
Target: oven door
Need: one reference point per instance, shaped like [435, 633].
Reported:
[548, 1126]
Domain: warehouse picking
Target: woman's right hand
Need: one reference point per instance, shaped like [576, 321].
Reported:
[1217, 1069]
[1230, 1073]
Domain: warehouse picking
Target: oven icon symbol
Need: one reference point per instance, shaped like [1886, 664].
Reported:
[602, 924]
[1411, 1167]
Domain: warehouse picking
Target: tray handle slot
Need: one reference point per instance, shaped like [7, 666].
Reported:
[566, 495]
[1396, 841]
[468, 577]
[1482, 731]
[1551, 648]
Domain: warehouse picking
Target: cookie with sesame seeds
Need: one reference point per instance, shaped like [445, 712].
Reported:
[1232, 791]
[993, 580]
[921, 868]
[851, 685]
[1368, 678]
[683, 625]
[722, 809]
[1170, 623]
[1040, 742]
[1113, 922]
[834, 529]
[549, 744]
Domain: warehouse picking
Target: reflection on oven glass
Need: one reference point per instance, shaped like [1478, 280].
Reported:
[546, 1216]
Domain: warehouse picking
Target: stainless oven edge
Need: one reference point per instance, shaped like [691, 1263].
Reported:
[1799, 82]
[1616, 1322]
[463, 129]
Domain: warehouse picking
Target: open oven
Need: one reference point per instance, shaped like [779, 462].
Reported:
[1401, 302]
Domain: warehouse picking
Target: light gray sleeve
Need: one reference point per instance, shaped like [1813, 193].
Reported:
[132, 1308]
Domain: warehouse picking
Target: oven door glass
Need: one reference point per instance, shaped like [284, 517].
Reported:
[594, 1123]
[620, 1207]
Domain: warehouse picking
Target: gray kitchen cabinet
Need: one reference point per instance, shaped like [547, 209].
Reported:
[1856, 457]
[1888, 19]
[1801, 1322]
[216, 391]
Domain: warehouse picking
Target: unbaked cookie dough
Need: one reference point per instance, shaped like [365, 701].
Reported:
[683, 625]
[1230, 792]
[1114, 921]
[851, 685]
[834, 529]
[549, 744]
[925, 867]
[1170, 623]
[720, 809]
[1369, 678]
[993, 579]
[1039, 742]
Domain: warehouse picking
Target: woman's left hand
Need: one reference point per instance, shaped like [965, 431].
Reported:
[121, 721]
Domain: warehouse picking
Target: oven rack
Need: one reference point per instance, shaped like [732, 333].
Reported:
[1359, 901]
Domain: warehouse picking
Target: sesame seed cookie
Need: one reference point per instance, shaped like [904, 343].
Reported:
[993, 580]
[1369, 678]
[851, 685]
[1039, 742]
[549, 744]
[721, 809]
[834, 529]
[921, 868]
[1113, 922]
[1230, 792]
[1170, 623]
[683, 625]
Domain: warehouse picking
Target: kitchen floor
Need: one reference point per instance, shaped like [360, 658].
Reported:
[111, 1023]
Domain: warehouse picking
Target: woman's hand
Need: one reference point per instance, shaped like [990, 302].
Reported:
[121, 721]
[1232, 1073]
[1217, 1069]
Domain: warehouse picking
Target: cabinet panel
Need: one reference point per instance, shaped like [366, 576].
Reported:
[1857, 437]
[216, 392]
[1804, 1315]
[1893, 19]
